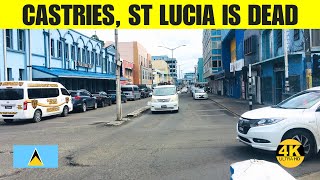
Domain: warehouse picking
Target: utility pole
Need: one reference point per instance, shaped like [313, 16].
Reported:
[118, 88]
[286, 63]
[250, 88]
[307, 50]
[5, 78]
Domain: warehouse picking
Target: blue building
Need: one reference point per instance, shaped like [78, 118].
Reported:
[233, 62]
[200, 70]
[272, 65]
[189, 78]
[64, 56]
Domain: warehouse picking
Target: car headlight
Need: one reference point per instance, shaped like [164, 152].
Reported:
[173, 99]
[268, 121]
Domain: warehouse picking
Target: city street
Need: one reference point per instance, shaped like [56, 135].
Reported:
[199, 142]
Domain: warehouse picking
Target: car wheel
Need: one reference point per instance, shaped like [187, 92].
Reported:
[306, 139]
[8, 121]
[84, 107]
[95, 105]
[37, 116]
[65, 111]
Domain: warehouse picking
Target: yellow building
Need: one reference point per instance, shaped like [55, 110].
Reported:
[161, 72]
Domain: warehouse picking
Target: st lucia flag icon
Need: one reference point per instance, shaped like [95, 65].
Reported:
[35, 156]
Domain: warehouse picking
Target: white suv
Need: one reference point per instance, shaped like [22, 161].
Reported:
[297, 117]
[165, 98]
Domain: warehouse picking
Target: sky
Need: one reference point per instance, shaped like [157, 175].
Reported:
[187, 56]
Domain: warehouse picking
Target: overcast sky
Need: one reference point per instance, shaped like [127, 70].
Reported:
[187, 56]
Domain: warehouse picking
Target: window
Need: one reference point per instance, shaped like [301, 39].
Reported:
[64, 92]
[296, 34]
[59, 44]
[92, 58]
[83, 55]
[9, 74]
[9, 38]
[73, 53]
[88, 57]
[279, 38]
[216, 45]
[78, 54]
[249, 45]
[35, 93]
[52, 47]
[11, 94]
[66, 51]
[21, 40]
[315, 34]
[21, 74]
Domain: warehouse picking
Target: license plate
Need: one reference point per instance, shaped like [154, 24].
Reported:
[240, 128]
[163, 106]
[8, 107]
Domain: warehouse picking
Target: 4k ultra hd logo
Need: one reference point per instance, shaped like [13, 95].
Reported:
[35, 156]
[290, 153]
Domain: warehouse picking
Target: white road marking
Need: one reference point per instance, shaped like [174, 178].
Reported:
[213, 115]
[211, 110]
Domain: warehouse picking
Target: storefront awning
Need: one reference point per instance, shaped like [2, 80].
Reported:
[43, 72]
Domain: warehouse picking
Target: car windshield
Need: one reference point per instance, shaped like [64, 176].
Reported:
[167, 91]
[200, 91]
[111, 92]
[126, 89]
[11, 94]
[303, 100]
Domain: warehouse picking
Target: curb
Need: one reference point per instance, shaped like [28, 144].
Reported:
[224, 107]
[128, 117]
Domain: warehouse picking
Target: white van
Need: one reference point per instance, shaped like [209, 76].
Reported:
[165, 98]
[33, 100]
[131, 92]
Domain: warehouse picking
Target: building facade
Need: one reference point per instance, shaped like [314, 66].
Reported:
[199, 73]
[233, 61]
[265, 51]
[172, 63]
[135, 53]
[163, 72]
[127, 72]
[212, 59]
[189, 78]
[65, 56]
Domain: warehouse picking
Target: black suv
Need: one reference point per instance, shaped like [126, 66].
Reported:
[83, 99]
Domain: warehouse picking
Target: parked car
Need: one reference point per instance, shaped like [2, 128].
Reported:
[103, 99]
[33, 100]
[165, 98]
[83, 99]
[200, 94]
[297, 117]
[113, 95]
[131, 92]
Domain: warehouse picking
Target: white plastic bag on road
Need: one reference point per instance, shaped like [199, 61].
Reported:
[258, 170]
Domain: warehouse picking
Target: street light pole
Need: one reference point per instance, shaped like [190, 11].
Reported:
[172, 49]
[118, 88]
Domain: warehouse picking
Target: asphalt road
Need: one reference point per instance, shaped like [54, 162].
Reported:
[199, 142]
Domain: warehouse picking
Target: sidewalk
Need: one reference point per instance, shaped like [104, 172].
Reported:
[236, 106]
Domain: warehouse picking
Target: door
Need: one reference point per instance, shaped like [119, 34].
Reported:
[279, 86]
